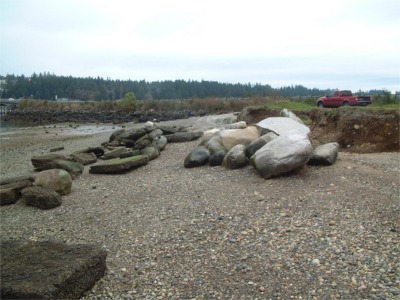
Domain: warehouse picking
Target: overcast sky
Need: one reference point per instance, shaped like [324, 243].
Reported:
[346, 44]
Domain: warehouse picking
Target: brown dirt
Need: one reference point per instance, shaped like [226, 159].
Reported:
[359, 131]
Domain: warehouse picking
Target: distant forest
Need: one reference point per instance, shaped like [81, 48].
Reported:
[51, 87]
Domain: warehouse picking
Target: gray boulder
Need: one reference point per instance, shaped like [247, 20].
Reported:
[8, 196]
[97, 150]
[49, 270]
[183, 136]
[217, 157]
[197, 157]
[143, 142]
[75, 169]
[156, 133]
[41, 197]
[11, 192]
[55, 179]
[288, 114]
[115, 135]
[151, 152]
[236, 157]
[133, 134]
[180, 137]
[214, 143]
[119, 165]
[259, 143]
[84, 158]
[216, 148]
[7, 180]
[237, 125]
[325, 154]
[130, 153]
[159, 142]
[46, 161]
[57, 149]
[170, 129]
[115, 153]
[282, 155]
[281, 125]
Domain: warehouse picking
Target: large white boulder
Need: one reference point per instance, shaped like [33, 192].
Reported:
[282, 155]
[288, 114]
[281, 126]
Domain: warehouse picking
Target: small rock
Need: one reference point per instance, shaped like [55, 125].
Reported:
[315, 261]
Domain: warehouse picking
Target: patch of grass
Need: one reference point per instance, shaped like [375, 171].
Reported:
[394, 106]
[291, 105]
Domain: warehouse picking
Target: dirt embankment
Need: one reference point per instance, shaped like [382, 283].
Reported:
[361, 131]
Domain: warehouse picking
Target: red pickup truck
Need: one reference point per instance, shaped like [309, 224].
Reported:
[343, 98]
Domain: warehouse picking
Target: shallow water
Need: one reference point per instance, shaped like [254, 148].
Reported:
[10, 126]
[8, 129]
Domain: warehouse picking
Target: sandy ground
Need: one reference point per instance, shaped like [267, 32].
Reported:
[212, 233]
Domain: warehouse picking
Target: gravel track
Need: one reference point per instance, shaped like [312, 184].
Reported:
[212, 233]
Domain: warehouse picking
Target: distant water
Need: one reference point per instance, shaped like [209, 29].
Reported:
[6, 126]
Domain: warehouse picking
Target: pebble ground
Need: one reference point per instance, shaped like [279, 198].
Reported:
[326, 232]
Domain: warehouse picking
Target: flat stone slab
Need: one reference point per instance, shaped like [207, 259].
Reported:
[281, 126]
[11, 192]
[181, 137]
[51, 270]
[119, 164]
[46, 161]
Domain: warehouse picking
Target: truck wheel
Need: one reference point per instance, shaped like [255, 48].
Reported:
[346, 103]
[320, 104]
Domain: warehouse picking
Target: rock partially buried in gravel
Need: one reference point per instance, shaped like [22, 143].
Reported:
[49, 270]
[236, 157]
[46, 162]
[180, 137]
[73, 168]
[115, 153]
[85, 158]
[197, 157]
[55, 179]
[151, 152]
[11, 192]
[325, 154]
[119, 165]
[31, 178]
[41, 197]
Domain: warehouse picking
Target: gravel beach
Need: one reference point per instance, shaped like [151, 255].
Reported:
[326, 232]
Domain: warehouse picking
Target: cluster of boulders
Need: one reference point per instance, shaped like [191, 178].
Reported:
[125, 150]
[274, 146]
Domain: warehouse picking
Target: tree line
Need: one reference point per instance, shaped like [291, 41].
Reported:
[52, 87]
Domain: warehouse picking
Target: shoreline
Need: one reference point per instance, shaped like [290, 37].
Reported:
[18, 145]
[208, 232]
